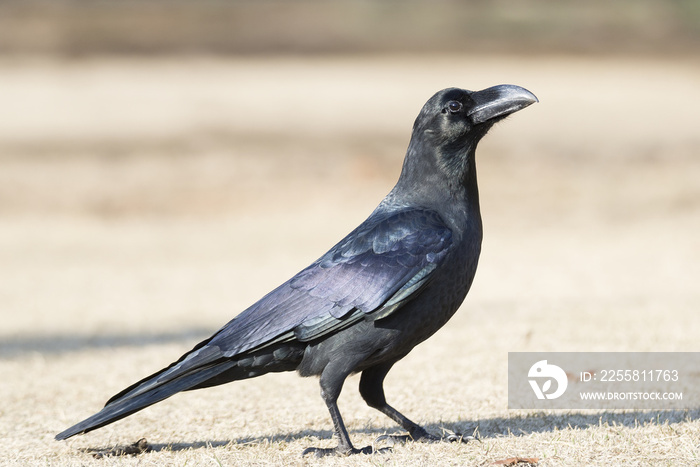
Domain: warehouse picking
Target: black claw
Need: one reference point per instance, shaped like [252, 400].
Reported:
[423, 437]
[337, 451]
[393, 440]
[318, 452]
[458, 438]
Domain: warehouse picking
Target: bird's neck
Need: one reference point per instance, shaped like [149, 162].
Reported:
[449, 188]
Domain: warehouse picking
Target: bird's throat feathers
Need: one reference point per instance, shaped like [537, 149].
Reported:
[449, 167]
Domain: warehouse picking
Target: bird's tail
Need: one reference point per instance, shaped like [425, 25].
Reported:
[204, 366]
[195, 367]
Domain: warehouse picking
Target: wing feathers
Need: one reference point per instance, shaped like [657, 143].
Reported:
[373, 271]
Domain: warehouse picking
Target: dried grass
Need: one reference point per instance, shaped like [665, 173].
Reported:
[115, 261]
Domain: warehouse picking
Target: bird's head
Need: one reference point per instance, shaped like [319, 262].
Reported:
[450, 125]
[456, 117]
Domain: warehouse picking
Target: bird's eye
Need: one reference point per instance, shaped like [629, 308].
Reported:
[454, 106]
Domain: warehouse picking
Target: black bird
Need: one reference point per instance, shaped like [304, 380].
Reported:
[383, 289]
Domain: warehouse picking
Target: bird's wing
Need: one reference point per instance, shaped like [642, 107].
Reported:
[368, 275]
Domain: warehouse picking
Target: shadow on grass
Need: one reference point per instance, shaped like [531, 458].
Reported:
[520, 425]
[542, 422]
[58, 344]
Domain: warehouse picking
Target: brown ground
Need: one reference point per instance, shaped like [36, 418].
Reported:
[144, 203]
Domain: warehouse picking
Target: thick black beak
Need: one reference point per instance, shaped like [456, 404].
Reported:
[499, 101]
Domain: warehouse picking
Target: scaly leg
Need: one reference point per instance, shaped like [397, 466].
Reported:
[372, 391]
[331, 385]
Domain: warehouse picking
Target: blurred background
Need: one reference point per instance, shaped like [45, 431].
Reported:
[164, 164]
[154, 28]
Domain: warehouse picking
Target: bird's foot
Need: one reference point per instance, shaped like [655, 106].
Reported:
[134, 449]
[423, 436]
[340, 451]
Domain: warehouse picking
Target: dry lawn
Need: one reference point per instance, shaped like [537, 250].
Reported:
[143, 203]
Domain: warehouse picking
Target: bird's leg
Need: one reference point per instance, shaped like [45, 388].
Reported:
[372, 391]
[331, 385]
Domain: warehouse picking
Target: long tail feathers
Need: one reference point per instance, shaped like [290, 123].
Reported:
[194, 368]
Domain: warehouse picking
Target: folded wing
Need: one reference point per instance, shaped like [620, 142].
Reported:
[368, 275]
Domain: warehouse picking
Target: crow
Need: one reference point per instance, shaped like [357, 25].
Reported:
[361, 307]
